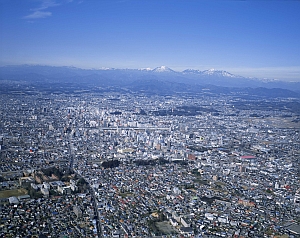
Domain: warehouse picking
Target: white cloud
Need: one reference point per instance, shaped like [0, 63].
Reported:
[46, 4]
[38, 14]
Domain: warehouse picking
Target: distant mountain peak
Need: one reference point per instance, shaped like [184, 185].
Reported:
[210, 72]
[163, 69]
[106, 77]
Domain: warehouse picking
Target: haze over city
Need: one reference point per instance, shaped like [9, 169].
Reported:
[248, 38]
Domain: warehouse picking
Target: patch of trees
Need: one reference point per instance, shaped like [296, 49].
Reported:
[34, 193]
[81, 182]
[141, 162]
[53, 170]
[197, 148]
[142, 112]
[210, 200]
[163, 161]
[152, 162]
[181, 162]
[111, 164]
[116, 113]
[152, 224]
[82, 185]
[196, 172]
[65, 178]
[268, 105]
[189, 185]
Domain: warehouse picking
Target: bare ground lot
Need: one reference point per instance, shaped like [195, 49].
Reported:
[13, 193]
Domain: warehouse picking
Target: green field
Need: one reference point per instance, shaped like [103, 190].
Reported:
[13, 193]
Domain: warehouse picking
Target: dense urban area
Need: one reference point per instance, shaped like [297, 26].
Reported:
[132, 165]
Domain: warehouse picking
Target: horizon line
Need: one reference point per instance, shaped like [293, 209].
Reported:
[149, 69]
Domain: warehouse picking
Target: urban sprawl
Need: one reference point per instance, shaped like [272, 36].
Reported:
[134, 165]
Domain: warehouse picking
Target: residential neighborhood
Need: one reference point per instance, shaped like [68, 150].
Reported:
[126, 165]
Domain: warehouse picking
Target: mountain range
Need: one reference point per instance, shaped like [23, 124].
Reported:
[158, 80]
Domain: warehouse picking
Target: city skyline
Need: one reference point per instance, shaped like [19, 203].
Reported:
[248, 38]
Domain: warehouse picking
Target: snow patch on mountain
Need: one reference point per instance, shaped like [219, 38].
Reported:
[145, 69]
[215, 72]
[191, 71]
[210, 72]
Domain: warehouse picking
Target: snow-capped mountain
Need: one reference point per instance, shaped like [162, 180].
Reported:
[221, 73]
[163, 69]
[163, 75]
[211, 72]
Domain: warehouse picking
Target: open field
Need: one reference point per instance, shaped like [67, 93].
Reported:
[14, 192]
[278, 122]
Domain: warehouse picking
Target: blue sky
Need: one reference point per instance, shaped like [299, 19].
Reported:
[250, 38]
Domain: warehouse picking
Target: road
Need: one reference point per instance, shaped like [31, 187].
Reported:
[91, 190]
